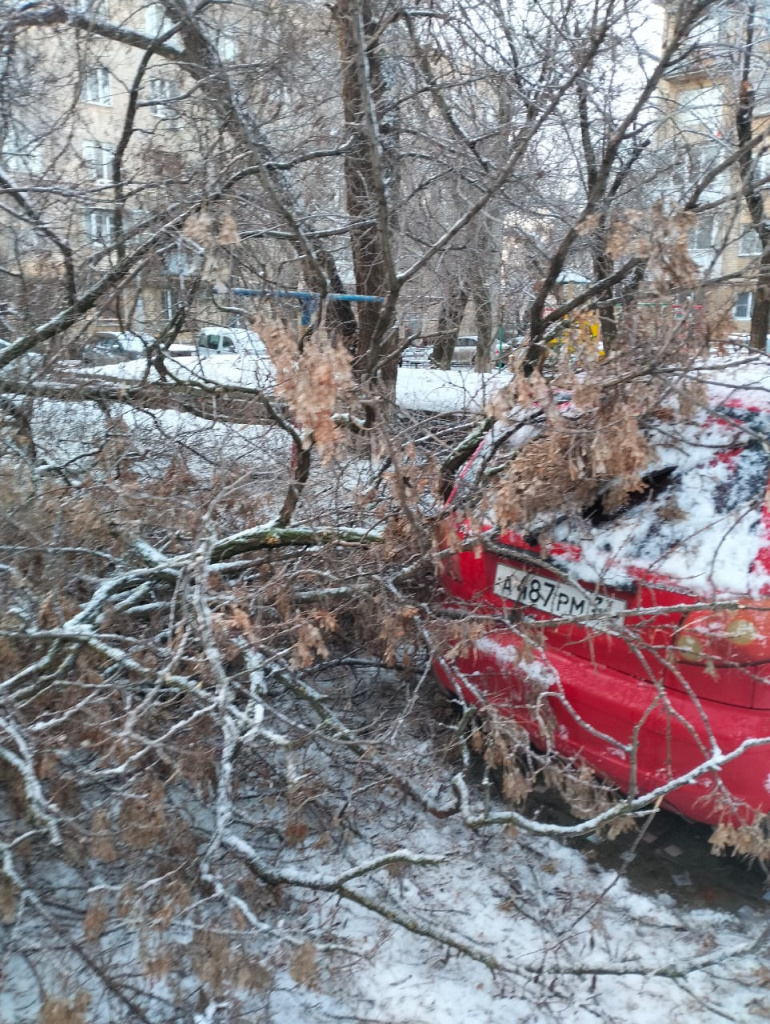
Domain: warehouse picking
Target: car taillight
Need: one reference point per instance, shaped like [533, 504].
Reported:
[731, 636]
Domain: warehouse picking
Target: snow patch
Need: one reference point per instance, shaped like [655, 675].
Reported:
[429, 390]
[700, 524]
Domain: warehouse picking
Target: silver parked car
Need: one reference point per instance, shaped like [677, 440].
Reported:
[116, 347]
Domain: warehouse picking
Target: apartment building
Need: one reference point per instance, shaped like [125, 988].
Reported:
[699, 131]
[97, 144]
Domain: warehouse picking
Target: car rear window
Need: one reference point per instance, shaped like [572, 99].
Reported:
[696, 521]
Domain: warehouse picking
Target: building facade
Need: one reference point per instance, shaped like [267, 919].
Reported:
[728, 53]
[100, 143]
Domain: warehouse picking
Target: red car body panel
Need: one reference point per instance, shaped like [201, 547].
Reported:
[639, 714]
[597, 710]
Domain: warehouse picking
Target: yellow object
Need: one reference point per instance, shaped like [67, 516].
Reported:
[578, 332]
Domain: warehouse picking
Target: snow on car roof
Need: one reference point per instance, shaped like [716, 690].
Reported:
[700, 524]
[702, 529]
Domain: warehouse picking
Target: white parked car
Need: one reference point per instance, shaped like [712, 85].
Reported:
[232, 340]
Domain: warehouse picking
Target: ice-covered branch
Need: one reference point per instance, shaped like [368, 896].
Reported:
[339, 884]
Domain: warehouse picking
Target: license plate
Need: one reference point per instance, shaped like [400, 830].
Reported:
[551, 596]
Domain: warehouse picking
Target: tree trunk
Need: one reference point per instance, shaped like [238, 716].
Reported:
[482, 301]
[760, 314]
[450, 318]
[371, 176]
[603, 267]
[752, 193]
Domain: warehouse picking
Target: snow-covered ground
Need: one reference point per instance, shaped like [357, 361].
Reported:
[574, 942]
[71, 434]
[430, 390]
[417, 388]
[568, 940]
[422, 388]
[564, 939]
[246, 370]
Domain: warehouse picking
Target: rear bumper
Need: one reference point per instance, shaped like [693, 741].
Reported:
[637, 735]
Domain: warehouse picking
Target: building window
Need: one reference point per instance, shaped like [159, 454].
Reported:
[227, 47]
[184, 260]
[702, 235]
[162, 93]
[701, 110]
[703, 158]
[156, 21]
[762, 170]
[137, 223]
[749, 243]
[168, 304]
[99, 158]
[99, 225]
[21, 152]
[154, 18]
[744, 302]
[97, 87]
[712, 27]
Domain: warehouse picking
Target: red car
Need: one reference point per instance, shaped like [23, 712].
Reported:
[637, 640]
